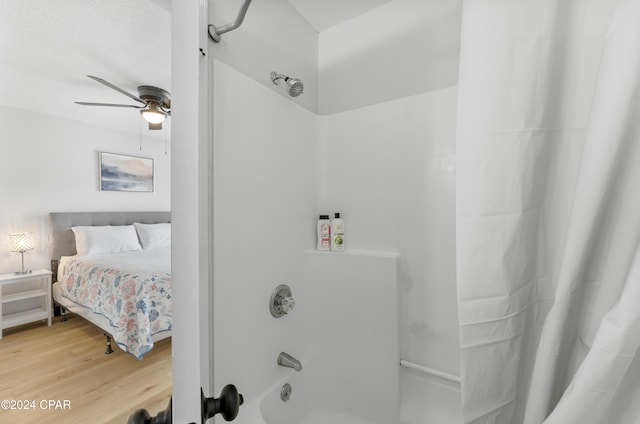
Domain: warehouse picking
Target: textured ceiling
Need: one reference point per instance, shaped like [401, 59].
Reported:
[322, 14]
[48, 47]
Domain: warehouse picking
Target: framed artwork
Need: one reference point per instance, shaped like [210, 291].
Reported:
[125, 173]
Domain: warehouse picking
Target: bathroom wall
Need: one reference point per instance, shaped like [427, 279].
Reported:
[273, 37]
[399, 49]
[389, 169]
[388, 95]
[378, 146]
[265, 172]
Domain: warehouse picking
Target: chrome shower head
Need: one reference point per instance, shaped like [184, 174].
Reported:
[294, 85]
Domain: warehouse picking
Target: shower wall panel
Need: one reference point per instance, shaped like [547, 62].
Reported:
[264, 219]
[390, 170]
[273, 37]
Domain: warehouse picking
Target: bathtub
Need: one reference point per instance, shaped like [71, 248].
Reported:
[344, 330]
[310, 403]
[427, 399]
[320, 397]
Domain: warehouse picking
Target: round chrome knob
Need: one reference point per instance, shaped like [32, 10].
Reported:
[281, 302]
[287, 304]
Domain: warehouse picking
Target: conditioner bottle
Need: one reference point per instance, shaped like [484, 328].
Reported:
[324, 233]
[337, 234]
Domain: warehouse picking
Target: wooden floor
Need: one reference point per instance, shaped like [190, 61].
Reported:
[66, 362]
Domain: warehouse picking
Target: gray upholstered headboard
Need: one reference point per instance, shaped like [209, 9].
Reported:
[62, 241]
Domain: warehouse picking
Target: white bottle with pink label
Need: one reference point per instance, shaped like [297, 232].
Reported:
[324, 233]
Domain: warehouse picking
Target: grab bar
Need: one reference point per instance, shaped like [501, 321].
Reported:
[430, 371]
[217, 32]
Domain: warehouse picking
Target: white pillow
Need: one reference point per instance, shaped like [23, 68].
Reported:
[153, 235]
[91, 240]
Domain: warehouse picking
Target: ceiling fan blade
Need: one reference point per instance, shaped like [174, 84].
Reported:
[108, 104]
[126, 93]
[155, 126]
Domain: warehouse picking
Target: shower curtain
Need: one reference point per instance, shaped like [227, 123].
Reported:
[548, 211]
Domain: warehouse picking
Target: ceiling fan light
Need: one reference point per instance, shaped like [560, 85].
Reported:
[153, 114]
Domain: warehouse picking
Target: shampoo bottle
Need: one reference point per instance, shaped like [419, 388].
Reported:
[337, 233]
[324, 233]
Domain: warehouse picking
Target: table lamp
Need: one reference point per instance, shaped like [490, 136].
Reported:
[21, 242]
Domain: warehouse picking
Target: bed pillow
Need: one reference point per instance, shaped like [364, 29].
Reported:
[91, 240]
[153, 235]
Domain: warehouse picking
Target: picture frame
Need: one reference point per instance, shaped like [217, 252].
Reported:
[119, 172]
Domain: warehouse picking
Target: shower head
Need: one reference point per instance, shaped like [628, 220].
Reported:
[294, 85]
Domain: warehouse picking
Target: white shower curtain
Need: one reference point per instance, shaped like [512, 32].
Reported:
[548, 211]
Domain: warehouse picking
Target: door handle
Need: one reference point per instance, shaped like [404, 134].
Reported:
[227, 405]
[142, 416]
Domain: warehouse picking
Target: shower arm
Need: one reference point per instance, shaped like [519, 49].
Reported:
[216, 32]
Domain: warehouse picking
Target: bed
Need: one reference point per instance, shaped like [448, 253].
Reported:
[114, 270]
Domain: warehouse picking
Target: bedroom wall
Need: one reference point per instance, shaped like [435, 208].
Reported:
[51, 165]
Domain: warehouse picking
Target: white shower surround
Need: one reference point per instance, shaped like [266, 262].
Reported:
[348, 349]
[273, 169]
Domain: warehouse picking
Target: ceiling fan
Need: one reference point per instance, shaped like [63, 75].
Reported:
[155, 103]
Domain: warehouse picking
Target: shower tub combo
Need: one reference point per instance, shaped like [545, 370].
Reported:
[348, 372]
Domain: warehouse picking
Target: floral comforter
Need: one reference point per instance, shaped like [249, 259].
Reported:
[132, 290]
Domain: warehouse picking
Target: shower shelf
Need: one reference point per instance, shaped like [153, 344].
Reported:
[356, 252]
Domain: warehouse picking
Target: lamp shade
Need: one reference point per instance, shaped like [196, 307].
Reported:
[153, 114]
[21, 242]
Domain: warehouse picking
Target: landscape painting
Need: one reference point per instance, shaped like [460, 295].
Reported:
[125, 173]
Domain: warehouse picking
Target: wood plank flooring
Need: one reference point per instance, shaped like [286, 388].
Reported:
[66, 362]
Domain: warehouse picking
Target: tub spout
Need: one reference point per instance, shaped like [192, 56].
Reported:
[286, 360]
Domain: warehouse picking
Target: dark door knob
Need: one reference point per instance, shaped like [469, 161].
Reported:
[142, 416]
[227, 405]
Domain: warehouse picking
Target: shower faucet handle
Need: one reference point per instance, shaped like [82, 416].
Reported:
[281, 302]
[287, 304]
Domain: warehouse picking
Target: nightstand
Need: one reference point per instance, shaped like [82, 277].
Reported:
[25, 298]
